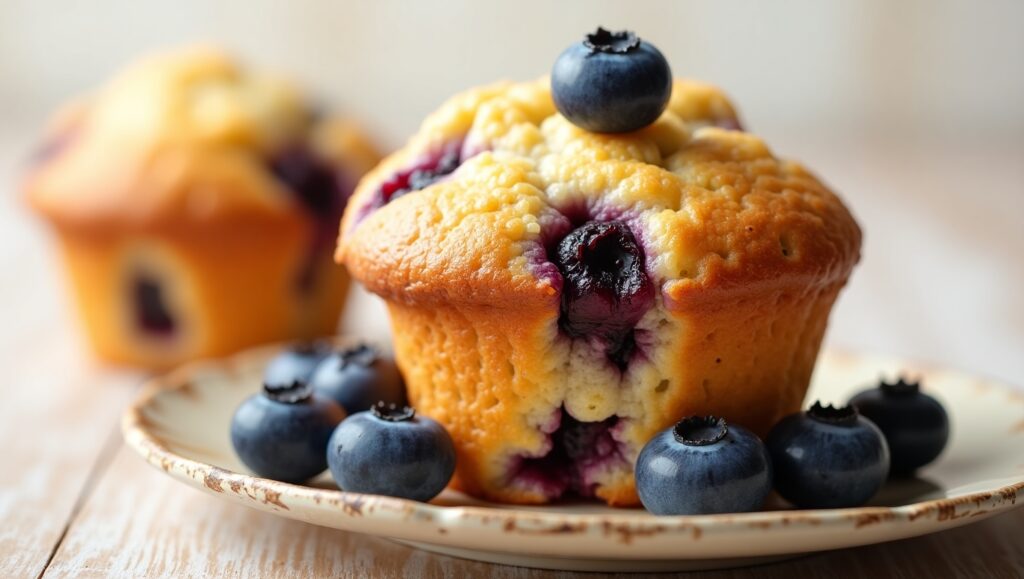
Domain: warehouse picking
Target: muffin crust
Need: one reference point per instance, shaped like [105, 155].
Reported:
[747, 252]
[169, 178]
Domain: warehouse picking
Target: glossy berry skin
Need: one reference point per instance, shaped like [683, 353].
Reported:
[282, 434]
[296, 364]
[703, 466]
[391, 451]
[915, 425]
[828, 458]
[606, 289]
[611, 83]
[357, 378]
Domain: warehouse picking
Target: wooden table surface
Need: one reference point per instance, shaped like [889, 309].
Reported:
[74, 501]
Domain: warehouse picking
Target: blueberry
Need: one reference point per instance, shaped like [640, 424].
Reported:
[703, 466]
[612, 82]
[282, 432]
[606, 289]
[828, 458]
[357, 378]
[296, 364]
[915, 425]
[315, 183]
[391, 451]
[422, 175]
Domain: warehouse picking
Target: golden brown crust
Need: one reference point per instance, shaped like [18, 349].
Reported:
[165, 174]
[225, 292]
[181, 140]
[749, 253]
[720, 210]
[493, 376]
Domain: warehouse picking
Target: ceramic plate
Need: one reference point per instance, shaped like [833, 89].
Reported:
[179, 423]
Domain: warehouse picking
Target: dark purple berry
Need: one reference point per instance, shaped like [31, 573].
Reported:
[151, 313]
[423, 172]
[828, 457]
[577, 451]
[606, 289]
[422, 175]
[612, 82]
[319, 187]
[915, 425]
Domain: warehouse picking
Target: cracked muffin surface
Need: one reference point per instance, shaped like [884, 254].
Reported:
[558, 296]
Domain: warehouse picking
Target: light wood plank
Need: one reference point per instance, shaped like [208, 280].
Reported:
[57, 415]
[57, 410]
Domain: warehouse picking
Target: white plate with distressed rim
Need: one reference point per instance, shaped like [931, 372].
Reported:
[179, 424]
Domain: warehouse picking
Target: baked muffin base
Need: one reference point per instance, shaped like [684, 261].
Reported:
[222, 292]
[514, 391]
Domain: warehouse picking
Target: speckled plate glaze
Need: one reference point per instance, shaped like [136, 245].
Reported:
[179, 424]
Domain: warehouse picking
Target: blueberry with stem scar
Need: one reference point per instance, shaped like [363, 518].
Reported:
[915, 425]
[703, 466]
[828, 457]
[282, 432]
[612, 82]
[389, 450]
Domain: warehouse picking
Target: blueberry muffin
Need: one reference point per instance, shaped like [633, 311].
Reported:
[559, 295]
[196, 204]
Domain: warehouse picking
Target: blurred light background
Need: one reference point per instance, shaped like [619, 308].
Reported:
[913, 110]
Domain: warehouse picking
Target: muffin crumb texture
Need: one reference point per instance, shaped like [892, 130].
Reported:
[517, 274]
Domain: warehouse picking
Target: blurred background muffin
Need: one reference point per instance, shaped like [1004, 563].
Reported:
[196, 203]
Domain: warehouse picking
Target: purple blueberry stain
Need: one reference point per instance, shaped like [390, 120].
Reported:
[554, 225]
[543, 269]
[425, 172]
[571, 457]
[428, 169]
[553, 423]
[152, 315]
[606, 289]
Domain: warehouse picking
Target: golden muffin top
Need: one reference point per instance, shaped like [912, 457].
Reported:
[182, 136]
[469, 210]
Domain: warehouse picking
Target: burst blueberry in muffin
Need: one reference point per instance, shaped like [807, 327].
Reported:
[196, 203]
[558, 296]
